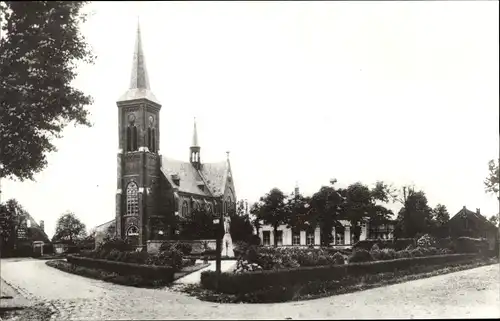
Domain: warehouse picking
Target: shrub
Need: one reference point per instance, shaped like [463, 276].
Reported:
[375, 247]
[183, 247]
[360, 255]
[396, 244]
[426, 241]
[470, 245]
[338, 258]
[416, 253]
[403, 254]
[387, 254]
[115, 243]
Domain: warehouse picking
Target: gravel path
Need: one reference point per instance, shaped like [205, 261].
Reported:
[472, 293]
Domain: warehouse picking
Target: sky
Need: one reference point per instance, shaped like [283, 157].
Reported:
[298, 92]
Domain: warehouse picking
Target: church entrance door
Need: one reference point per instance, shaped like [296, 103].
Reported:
[133, 235]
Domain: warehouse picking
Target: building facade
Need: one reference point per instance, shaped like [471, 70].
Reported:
[155, 192]
[475, 225]
[342, 236]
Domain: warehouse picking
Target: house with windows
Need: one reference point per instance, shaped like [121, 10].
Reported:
[475, 225]
[342, 235]
[156, 193]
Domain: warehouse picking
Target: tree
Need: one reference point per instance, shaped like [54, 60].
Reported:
[441, 215]
[39, 53]
[492, 182]
[415, 217]
[361, 203]
[298, 207]
[69, 228]
[198, 225]
[240, 228]
[440, 218]
[273, 211]
[494, 220]
[325, 210]
[12, 217]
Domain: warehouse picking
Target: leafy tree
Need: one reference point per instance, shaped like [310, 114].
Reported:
[325, 210]
[273, 211]
[440, 219]
[298, 207]
[69, 228]
[361, 203]
[39, 52]
[198, 225]
[12, 217]
[254, 211]
[492, 182]
[441, 215]
[240, 228]
[415, 217]
[494, 220]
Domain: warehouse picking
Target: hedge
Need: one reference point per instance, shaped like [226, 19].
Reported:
[165, 273]
[396, 244]
[244, 283]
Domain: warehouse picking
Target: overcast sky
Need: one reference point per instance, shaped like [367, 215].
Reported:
[405, 92]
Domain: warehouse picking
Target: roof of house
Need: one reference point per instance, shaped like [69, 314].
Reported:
[464, 212]
[104, 227]
[37, 234]
[211, 175]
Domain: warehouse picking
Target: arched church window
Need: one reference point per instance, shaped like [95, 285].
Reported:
[225, 207]
[132, 199]
[132, 231]
[184, 208]
[134, 138]
[153, 140]
[129, 139]
[150, 147]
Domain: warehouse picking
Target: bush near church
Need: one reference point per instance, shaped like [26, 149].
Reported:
[118, 250]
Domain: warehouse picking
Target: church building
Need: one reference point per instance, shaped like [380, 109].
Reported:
[154, 193]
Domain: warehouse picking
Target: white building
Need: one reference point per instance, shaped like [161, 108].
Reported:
[342, 239]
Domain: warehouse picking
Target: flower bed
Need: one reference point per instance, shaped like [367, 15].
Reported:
[117, 250]
[283, 285]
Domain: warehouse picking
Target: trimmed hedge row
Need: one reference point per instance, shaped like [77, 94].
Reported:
[244, 283]
[164, 273]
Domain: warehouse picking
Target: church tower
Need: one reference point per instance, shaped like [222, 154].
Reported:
[138, 154]
[194, 156]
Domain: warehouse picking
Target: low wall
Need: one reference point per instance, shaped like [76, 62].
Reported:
[153, 246]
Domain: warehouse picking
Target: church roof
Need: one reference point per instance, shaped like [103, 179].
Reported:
[211, 175]
[139, 80]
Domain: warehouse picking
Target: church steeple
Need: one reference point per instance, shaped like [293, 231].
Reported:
[139, 80]
[195, 149]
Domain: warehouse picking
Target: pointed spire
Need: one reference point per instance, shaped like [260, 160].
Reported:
[139, 78]
[195, 135]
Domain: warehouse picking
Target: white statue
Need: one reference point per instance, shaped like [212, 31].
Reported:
[226, 224]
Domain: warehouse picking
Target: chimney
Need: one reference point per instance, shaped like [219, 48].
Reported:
[478, 211]
[42, 225]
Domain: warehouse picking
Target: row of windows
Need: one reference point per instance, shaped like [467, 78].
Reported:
[209, 207]
[296, 238]
[132, 144]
